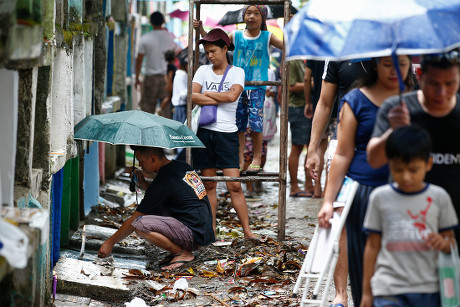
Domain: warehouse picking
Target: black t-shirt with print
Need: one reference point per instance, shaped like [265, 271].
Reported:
[444, 133]
[179, 189]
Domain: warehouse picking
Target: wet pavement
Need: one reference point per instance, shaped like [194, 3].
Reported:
[231, 272]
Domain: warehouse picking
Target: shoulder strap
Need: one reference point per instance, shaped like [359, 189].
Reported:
[223, 77]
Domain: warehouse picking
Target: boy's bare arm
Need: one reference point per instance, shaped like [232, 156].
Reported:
[371, 251]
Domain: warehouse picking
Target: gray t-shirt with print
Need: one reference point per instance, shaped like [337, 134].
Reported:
[405, 264]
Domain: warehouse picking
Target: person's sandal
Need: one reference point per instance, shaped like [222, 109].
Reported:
[253, 169]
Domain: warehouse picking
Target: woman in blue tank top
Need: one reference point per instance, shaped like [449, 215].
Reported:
[357, 114]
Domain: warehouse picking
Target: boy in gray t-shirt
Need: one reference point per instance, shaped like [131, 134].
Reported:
[409, 222]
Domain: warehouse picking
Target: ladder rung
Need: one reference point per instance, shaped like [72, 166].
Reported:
[239, 1]
[309, 275]
[241, 179]
[311, 301]
[243, 174]
[276, 83]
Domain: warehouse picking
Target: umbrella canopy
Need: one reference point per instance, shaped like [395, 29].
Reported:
[136, 128]
[234, 17]
[372, 28]
[183, 15]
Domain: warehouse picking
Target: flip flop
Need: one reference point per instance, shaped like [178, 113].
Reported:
[337, 305]
[301, 194]
[184, 262]
[254, 171]
[166, 260]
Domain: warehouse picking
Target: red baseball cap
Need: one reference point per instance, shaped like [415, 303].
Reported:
[215, 35]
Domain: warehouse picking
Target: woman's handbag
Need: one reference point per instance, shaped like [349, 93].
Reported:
[449, 274]
[209, 112]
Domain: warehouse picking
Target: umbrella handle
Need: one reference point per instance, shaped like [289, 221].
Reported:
[132, 184]
[394, 56]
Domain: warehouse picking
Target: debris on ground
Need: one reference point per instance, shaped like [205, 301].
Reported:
[232, 271]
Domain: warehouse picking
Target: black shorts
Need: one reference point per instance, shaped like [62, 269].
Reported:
[221, 150]
[300, 126]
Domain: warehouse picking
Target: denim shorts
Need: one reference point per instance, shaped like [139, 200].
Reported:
[408, 300]
[300, 126]
[221, 150]
[180, 113]
[251, 109]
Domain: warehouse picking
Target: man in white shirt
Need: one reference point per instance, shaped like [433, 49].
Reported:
[152, 47]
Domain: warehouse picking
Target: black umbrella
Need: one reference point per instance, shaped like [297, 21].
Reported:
[183, 57]
[234, 17]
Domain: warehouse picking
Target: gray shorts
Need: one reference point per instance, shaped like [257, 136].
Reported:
[300, 126]
[171, 228]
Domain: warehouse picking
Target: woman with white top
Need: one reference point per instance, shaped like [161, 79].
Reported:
[220, 137]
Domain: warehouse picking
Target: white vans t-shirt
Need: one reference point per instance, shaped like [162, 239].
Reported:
[226, 111]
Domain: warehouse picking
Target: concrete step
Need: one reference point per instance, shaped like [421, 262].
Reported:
[90, 280]
[65, 300]
[96, 235]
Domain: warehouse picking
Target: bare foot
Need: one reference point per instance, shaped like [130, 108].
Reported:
[340, 301]
[249, 235]
[318, 193]
[180, 260]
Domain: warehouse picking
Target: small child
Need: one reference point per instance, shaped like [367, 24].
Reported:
[165, 105]
[409, 222]
[179, 90]
[179, 96]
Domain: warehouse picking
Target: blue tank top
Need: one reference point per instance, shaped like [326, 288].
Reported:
[365, 113]
[252, 54]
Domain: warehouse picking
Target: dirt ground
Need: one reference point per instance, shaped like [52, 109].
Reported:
[232, 271]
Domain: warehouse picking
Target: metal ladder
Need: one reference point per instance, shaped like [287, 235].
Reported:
[193, 65]
[319, 296]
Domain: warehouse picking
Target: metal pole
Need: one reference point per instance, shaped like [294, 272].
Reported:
[188, 150]
[283, 135]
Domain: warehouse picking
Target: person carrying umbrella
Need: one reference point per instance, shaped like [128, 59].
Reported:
[174, 214]
[357, 114]
[252, 54]
[435, 107]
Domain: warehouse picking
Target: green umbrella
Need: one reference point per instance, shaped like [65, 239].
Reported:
[136, 128]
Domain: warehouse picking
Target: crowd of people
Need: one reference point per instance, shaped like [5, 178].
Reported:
[400, 148]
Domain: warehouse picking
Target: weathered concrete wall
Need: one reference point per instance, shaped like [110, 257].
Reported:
[79, 81]
[42, 145]
[88, 67]
[49, 14]
[93, 14]
[27, 286]
[121, 48]
[26, 121]
[7, 22]
[62, 108]
[9, 83]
